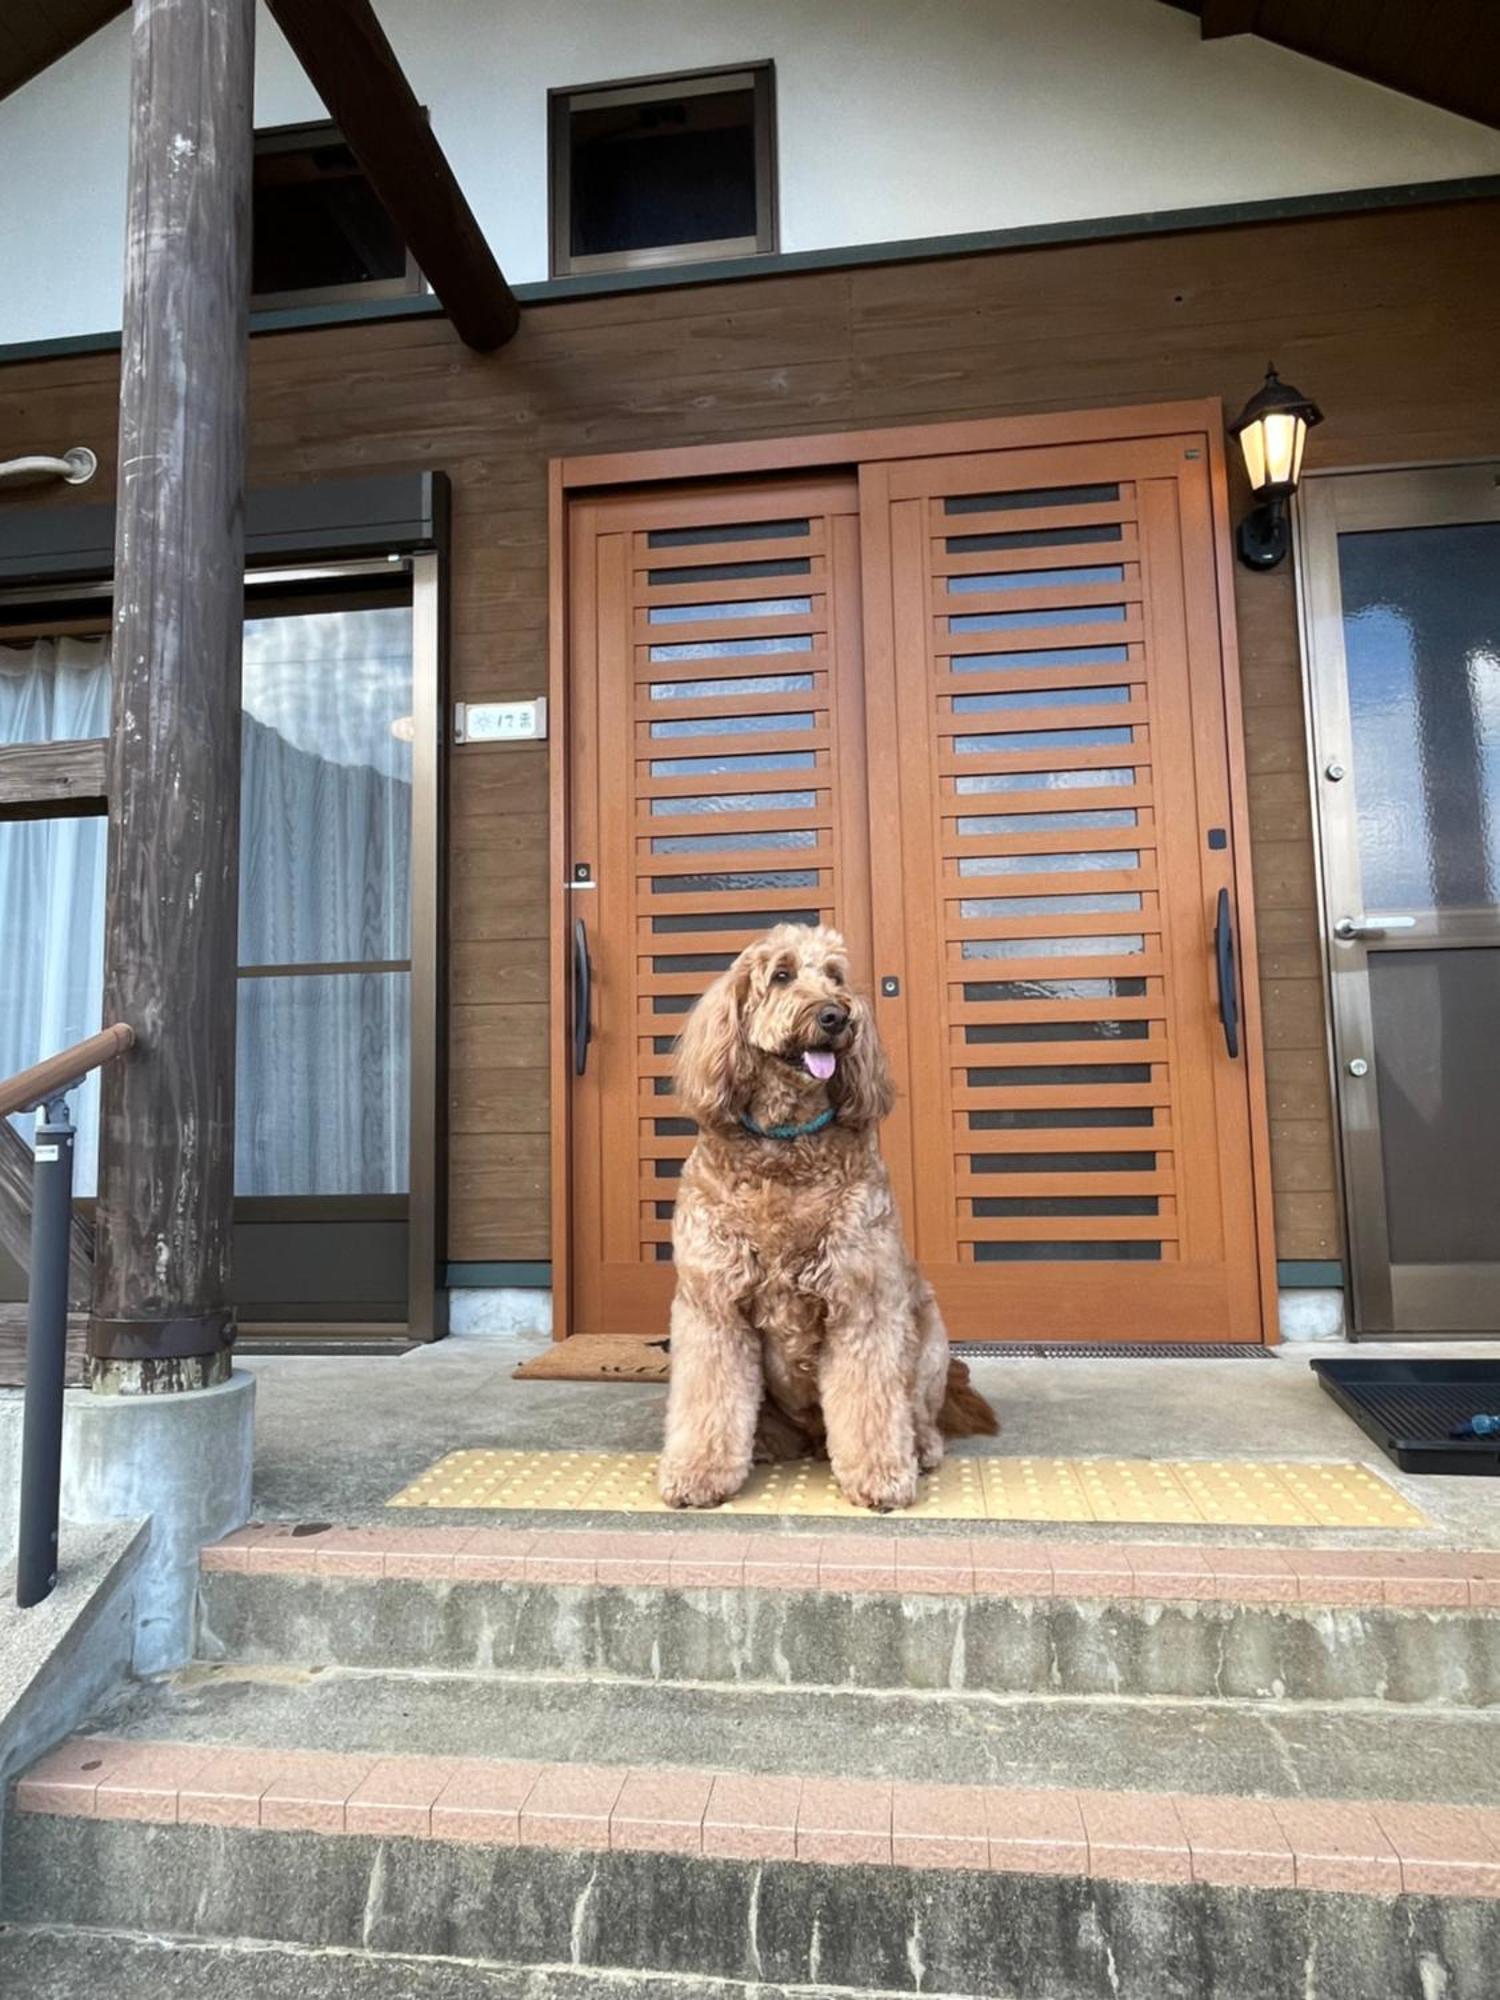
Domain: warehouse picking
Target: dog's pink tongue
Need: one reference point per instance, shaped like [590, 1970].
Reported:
[821, 1063]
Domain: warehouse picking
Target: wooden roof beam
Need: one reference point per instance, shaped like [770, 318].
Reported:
[354, 70]
[33, 38]
[1228, 17]
[1445, 53]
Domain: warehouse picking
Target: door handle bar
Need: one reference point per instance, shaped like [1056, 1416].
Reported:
[1229, 1006]
[583, 997]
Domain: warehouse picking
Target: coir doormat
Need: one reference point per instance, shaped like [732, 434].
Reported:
[1250, 1493]
[598, 1357]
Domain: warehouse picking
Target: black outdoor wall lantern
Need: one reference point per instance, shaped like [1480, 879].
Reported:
[1272, 430]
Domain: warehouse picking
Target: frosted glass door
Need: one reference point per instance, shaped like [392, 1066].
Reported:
[1407, 692]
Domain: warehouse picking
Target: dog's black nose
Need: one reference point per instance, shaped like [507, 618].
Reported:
[831, 1019]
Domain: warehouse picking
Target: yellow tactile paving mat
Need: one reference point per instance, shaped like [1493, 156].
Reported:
[1243, 1493]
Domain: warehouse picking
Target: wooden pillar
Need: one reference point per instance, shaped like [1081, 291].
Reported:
[161, 1317]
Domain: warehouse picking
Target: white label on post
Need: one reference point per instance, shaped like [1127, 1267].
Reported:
[501, 721]
[46, 1153]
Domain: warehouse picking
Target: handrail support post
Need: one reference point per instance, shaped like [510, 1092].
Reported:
[46, 1354]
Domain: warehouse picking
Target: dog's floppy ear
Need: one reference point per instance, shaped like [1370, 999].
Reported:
[865, 1091]
[713, 1067]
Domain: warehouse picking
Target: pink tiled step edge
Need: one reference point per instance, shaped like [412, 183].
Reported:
[953, 1565]
[1315, 1844]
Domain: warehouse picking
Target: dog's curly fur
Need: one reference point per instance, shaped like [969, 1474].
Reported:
[800, 1321]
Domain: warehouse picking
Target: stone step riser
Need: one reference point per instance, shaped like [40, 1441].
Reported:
[826, 1638]
[60, 1965]
[894, 1931]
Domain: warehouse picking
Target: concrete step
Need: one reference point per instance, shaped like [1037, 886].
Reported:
[666, 1876]
[1329, 1750]
[913, 1612]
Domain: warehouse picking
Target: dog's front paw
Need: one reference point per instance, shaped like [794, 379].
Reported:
[683, 1482]
[929, 1450]
[880, 1488]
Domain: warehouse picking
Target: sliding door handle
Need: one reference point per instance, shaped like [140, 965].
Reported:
[1350, 929]
[583, 997]
[1229, 1005]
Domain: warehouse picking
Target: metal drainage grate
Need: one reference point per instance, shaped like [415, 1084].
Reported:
[303, 1344]
[1110, 1350]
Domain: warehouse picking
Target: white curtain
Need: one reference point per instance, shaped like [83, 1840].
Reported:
[52, 875]
[322, 1085]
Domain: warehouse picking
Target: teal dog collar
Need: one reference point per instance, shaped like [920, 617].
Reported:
[818, 1124]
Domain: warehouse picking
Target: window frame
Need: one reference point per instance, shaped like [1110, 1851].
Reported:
[759, 77]
[303, 138]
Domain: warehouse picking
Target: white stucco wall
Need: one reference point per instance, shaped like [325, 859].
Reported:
[898, 118]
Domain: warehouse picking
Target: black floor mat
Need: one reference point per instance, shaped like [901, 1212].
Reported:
[1411, 1407]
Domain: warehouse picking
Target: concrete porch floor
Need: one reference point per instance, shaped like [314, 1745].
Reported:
[336, 1436]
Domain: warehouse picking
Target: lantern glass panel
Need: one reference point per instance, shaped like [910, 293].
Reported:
[1253, 445]
[1283, 433]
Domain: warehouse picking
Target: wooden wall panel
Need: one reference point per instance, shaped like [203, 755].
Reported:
[1291, 969]
[1391, 320]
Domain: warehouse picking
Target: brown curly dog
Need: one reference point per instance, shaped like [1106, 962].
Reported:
[800, 1321]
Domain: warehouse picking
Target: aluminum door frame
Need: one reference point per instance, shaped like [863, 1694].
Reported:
[1329, 505]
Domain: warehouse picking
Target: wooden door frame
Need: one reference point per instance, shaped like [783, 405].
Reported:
[570, 477]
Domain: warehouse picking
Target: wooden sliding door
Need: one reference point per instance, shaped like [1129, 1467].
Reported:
[1045, 676]
[717, 778]
[971, 706]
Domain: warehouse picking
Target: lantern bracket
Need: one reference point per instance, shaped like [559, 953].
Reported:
[1264, 536]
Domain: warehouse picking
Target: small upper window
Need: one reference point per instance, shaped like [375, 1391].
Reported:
[318, 229]
[664, 172]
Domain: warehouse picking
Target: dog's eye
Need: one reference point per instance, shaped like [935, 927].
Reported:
[834, 973]
[781, 976]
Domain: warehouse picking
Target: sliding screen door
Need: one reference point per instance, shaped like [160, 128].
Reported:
[323, 1095]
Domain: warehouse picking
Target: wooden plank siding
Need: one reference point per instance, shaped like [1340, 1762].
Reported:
[38, 780]
[1390, 319]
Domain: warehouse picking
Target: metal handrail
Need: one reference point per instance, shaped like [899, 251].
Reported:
[76, 466]
[29, 1088]
[46, 1084]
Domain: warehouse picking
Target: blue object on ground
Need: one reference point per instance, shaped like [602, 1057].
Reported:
[1481, 1426]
